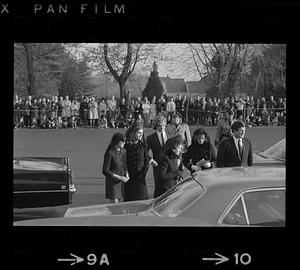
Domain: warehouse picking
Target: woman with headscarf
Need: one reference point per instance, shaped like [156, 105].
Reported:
[170, 167]
[115, 168]
[137, 164]
[201, 153]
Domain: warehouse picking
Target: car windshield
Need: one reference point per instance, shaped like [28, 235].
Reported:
[175, 200]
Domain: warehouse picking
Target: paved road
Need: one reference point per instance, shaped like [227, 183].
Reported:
[85, 148]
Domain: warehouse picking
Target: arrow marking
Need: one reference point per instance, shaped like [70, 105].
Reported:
[74, 260]
[219, 260]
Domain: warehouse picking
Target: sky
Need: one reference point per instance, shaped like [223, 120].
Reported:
[172, 69]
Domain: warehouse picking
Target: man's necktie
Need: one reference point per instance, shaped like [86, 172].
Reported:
[162, 139]
[240, 145]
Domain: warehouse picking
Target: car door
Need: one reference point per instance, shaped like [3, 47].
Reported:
[41, 181]
[259, 207]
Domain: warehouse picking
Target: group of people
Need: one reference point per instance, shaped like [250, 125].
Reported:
[59, 112]
[169, 149]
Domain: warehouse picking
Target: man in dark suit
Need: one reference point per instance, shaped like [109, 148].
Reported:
[237, 150]
[155, 143]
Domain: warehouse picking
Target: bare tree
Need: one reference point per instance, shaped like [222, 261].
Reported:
[222, 64]
[118, 59]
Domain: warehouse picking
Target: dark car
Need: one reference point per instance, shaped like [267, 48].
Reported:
[219, 197]
[42, 181]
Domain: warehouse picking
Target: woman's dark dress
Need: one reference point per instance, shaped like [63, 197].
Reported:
[196, 152]
[138, 165]
[114, 163]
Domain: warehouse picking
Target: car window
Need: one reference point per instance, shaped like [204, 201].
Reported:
[236, 215]
[266, 208]
[175, 200]
[261, 207]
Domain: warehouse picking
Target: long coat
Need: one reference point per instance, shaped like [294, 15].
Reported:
[168, 171]
[138, 165]
[196, 152]
[228, 154]
[114, 163]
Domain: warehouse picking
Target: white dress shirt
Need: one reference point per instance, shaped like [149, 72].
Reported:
[159, 136]
[236, 142]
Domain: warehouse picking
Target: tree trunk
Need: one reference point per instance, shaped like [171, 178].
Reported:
[30, 70]
[122, 88]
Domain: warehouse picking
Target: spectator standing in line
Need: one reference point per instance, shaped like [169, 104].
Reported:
[123, 108]
[115, 168]
[249, 106]
[203, 114]
[271, 106]
[66, 110]
[170, 166]
[112, 108]
[191, 111]
[59, 111]
[170, 109]
[240, 109]
[26, 113]
[83, 109]
[208, 112]
[265, 115]
[102, 107]
[93, 112]
[155, 143]
[185, 108]
[215, 112]
[152, 110]
[75, 106]
[237, 150]
[179, 104]
[17, 111]
[257, 109]
[34, 113]
[161, 105]
[177, 127]
[201, 154]
[43, 109]
[137, 164]
[262, 102]
[146, 111]
[138, 107]
[53, 110]
[198, 110]
[225, 107]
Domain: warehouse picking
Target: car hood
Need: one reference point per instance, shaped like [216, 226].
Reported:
[115, 221]
[120, 209]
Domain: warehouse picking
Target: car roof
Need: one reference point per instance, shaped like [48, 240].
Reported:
[242, 176]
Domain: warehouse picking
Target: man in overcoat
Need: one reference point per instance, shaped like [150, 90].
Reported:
[237, 150]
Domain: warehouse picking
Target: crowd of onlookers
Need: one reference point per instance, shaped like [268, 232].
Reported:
[61, 112]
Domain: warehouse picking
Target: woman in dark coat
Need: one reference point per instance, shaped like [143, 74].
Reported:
[137, 164]
[115, 168]
[201, 153]
[170, 167]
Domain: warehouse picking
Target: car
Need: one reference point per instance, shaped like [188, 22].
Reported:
[272, 156]
[42, 182]
[238, 196]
